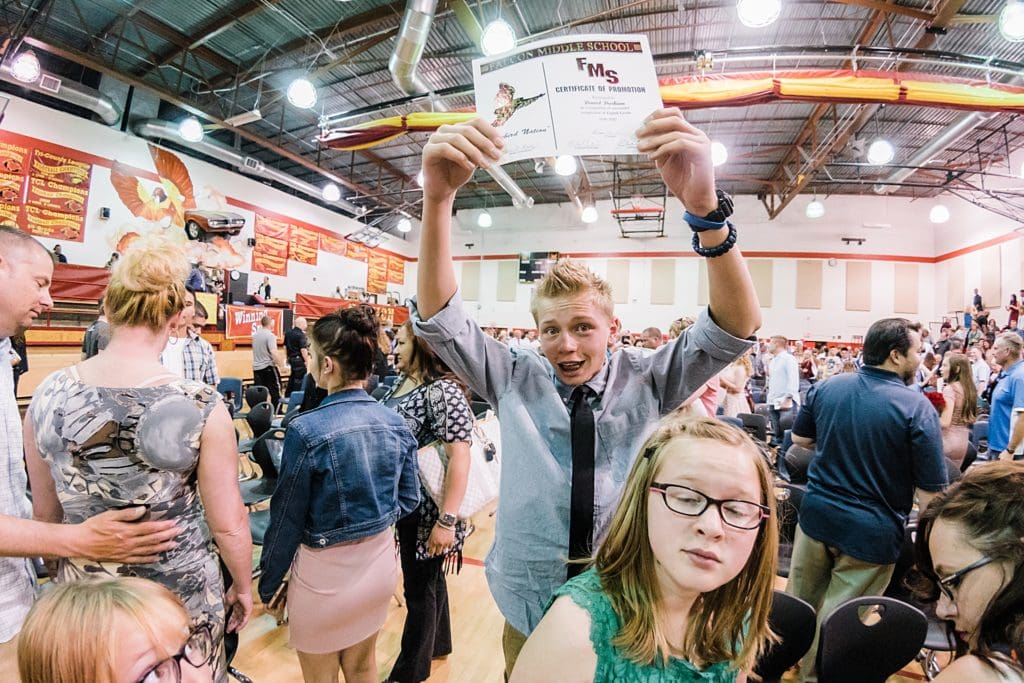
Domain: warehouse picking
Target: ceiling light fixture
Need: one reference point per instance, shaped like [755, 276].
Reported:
[404, 224]
[815, 209]
[331, 192]
[26, 67]
[302, 94]
[881, 152]
[758, 13]
[565, 165]
[497, 38]
[938, 214]
[589, 214]
[190, 129]
[1011, 21]
[484, 220]
[719, 154]
[539, 167]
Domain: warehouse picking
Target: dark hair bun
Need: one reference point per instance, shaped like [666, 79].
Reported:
[361, 319]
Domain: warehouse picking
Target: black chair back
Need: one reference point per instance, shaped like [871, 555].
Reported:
[866, 640]
[798, 460]
[267, 450]
[793, 621]
[256, 394]
[260, 418]
[480, 408]
[972, 455]
[756, 425]
[380, 392]
[231, 389]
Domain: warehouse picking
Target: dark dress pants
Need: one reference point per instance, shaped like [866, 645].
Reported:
[298, 374]
[269, 378]
[428, 631]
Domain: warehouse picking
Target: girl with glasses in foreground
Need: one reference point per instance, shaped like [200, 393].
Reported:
[970, 545]
[126, 630]
[682, 585]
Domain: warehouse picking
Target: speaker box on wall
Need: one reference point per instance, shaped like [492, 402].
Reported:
[239, 288]
[104, 213]
[250, 241]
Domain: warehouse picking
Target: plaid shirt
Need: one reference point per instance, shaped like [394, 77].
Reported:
[199, 362]
[17, 580]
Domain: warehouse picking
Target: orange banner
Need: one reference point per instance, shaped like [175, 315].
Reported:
[10, 188]
[9, 214]
[271, 264]
[396, 270]
[377, 273]
[46, 223]
[356, 251]
[271, 228]
[13, 158]
[302, 245]
[60, 168]
[55, 196]
[242, 321]
[333, 245]
[313, 306]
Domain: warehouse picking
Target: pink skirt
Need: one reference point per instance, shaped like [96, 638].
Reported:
[339, 596]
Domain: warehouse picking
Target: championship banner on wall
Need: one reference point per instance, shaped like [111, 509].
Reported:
[13, 158]
[55, 196]
[46, 223]
[60, 168]
[396, 270]
[313, 306]
[9, 214]
[377, 273]
[333, 245]
[270, 255]
[357, 252]
[10, 188]
[302, 245]
[242, 321]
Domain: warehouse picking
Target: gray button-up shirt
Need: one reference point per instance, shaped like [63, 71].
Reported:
[17, 581]
[531, 542]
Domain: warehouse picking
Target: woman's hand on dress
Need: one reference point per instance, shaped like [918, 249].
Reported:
[239, 607]
[441, 540]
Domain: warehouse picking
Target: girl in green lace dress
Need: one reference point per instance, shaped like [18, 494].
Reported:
[682, 585]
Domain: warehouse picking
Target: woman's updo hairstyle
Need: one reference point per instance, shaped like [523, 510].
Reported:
[147, 286]
[349, 336]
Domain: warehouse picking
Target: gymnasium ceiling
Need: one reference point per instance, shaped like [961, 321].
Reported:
[220, 58]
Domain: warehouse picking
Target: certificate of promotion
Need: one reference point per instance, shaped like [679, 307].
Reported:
[572, 95]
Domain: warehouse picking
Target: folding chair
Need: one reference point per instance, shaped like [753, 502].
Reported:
[793, 620]
[866, 640]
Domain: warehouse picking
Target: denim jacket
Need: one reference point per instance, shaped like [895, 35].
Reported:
[348, 472]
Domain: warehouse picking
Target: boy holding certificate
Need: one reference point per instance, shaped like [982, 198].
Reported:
[573, 418]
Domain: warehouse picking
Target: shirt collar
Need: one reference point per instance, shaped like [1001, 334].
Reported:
[597, 383]
[346, 396]
[881, 374]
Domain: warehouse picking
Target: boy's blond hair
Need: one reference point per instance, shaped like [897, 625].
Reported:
[570, 278]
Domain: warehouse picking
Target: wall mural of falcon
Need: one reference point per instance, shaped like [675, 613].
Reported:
[168, 200]
[506, 103]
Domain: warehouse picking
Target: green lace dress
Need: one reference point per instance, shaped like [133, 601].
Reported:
[585, 590]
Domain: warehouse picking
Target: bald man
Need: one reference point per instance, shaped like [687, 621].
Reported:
[26, 270]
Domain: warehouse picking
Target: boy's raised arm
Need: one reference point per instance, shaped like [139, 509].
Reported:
[682, 154]
[450, 157]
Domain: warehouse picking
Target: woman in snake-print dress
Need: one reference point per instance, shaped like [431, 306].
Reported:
[120, 430]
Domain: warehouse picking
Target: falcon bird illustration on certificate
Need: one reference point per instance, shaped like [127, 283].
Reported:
[506, 103]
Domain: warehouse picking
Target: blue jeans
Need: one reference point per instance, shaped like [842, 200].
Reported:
[775, 415]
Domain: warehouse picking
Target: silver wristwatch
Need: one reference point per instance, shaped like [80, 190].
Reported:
[447, 520]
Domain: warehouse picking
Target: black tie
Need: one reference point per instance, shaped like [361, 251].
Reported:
[581, 509]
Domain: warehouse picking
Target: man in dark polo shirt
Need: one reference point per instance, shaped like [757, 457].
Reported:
[876, 442]
[296, 346]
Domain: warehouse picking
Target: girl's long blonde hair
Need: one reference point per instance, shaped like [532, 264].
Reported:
[70, 635]
[735, 613]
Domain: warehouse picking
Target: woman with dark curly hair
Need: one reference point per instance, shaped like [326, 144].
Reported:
[970, 548]
[434, 405]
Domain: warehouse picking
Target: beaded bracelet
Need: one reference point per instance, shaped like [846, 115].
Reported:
[712, 252]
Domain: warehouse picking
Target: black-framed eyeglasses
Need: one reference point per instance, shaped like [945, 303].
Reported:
[741, 514]
[948, 584]
[197, 651]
